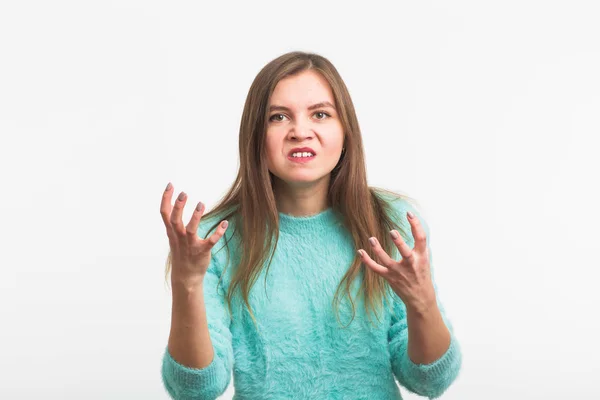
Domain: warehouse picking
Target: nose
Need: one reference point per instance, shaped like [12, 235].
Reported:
[301, 131]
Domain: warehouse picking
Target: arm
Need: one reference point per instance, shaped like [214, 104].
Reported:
[428, 336]
[430, 361]
[189, 339]
[425, 354]
[198, 360]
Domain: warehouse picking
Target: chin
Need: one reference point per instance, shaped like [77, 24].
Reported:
[300, 177]
[303, 178]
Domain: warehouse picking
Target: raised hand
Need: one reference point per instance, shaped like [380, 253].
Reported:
[190, 254]
[410, 278]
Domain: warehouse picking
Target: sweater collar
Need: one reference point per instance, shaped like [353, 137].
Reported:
[328, 218]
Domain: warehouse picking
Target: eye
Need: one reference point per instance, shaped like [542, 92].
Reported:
[322, 112]
[275, 115]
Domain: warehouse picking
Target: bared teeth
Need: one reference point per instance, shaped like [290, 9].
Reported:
[302, 154]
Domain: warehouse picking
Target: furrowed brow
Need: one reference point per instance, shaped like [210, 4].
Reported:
[322, 104]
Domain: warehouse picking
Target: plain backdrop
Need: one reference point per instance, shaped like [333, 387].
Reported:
[486, 112]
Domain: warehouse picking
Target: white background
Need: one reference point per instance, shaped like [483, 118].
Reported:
[486, 112]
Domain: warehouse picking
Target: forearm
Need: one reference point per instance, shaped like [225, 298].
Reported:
[428, 336]
[189, 339]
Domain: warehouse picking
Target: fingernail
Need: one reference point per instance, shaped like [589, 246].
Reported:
[410, 215]
[168, 187]
[224, 224]
[181, 196]
[199, 206]
[360, 252]
[394, 234]
[373, 241]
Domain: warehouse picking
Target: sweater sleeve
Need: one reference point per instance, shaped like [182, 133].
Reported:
[429, 380]
[184, 383]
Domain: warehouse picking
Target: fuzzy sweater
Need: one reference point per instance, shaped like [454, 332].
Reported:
[300, 350]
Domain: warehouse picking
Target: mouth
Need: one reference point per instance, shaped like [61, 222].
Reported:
[301, 157]
[301, 154]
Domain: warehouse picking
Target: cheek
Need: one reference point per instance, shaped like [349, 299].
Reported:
[334, 143]
[271, 153]
[335, 137]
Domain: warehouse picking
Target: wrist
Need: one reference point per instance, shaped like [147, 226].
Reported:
[422, 308]
[187, 283]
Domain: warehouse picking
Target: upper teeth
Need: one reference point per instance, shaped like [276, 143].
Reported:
[305, 154]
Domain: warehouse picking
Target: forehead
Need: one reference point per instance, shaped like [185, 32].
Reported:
[301, 90]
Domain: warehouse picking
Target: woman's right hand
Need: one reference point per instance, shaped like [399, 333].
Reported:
[190, 254]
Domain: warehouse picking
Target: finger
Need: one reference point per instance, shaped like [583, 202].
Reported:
[404, 249]
[381, 270]
[165, 206]
[176, 221]
[384, 257]
[191, 228]
[215, 237]
[418, 232]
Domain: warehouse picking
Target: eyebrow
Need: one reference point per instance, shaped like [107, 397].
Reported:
[322, 104]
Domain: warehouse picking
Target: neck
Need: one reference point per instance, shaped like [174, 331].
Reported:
[301, 199]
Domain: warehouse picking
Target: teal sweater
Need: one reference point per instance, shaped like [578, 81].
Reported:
[300, 351]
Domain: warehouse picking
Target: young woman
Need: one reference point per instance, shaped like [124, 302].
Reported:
[331, 252]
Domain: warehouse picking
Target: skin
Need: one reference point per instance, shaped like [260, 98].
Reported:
[301, 189]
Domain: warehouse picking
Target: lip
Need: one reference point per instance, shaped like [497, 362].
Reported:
[301, 160]
[302, 150]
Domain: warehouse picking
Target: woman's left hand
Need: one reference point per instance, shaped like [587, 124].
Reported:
[410, 278]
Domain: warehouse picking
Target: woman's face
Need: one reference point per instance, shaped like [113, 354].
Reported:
[296, 120]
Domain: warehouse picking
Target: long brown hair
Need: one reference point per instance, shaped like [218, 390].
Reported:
[250, 202]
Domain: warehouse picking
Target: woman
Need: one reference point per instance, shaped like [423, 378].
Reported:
[301, 205]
